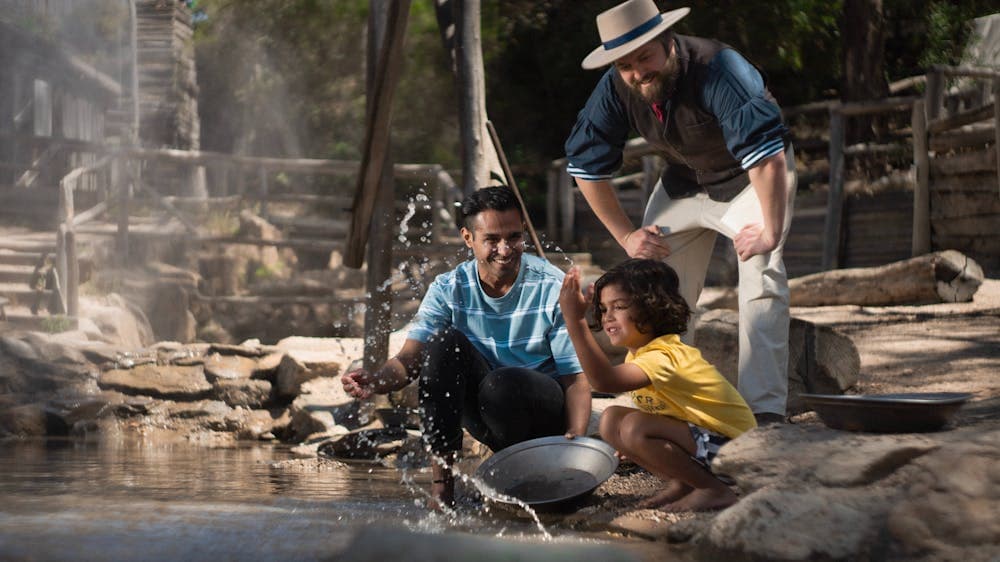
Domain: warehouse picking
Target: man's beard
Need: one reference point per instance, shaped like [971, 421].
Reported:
[662, 85]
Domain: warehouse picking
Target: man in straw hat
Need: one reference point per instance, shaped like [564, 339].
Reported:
[706, 111]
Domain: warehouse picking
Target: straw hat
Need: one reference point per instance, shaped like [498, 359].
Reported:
[628, 26]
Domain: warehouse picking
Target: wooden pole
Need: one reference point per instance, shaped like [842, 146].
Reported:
[921, 193]
[567, 207]
[935, 93]
[835, 199]
[513, 187]
[379, 115]
[72, 274]
[996, 126]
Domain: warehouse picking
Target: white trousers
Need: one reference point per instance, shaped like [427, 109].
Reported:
[690, 225]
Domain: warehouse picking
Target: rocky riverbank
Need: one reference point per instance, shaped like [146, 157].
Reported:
[807, 491]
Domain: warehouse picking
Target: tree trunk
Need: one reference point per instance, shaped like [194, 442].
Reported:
[946, 276]
[863, 74]
[459, 23]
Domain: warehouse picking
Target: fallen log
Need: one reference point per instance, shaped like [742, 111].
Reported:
[946, 276]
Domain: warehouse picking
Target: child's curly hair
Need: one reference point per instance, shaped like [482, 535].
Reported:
[654, 286]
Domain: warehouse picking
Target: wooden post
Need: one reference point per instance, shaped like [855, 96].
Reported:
[567, 207]
[62, 267]
[921, 192]
[996, 126]
[379, 115]
[262, 190]
[935, 93]
[551, 201]
[72, 274]
[124, 183]
[375, 187]
[835, 198]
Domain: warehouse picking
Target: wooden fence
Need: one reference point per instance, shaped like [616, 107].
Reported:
[954, 139]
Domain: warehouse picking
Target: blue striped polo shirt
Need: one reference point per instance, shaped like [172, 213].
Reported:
[524, 328]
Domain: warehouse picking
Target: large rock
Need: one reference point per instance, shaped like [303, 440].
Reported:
[171, 382]
[820, 360]
[228, 367]
[171, 316]
[324, 407]
[248, 393]
[817, 493]
[120, 321]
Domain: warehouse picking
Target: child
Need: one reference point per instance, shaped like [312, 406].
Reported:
[687, 410]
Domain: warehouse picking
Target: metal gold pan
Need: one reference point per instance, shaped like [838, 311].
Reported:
[548, 473]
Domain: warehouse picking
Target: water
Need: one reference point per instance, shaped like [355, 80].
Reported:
[85, 500]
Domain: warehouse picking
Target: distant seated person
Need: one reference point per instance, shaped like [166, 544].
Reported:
[686, 409]
[489, 346]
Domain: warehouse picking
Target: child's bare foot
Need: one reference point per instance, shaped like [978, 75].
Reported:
[674, 490]
[703, 499]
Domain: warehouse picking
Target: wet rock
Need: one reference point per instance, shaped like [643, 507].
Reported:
[267, 366]
[171, 382]
[249, 393]
[27, 420]
[291, 375]
[246, 349]
[376, 544]
[323, 406]
[228, 367]
[368, 444]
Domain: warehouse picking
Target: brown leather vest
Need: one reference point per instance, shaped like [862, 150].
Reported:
[689, 139]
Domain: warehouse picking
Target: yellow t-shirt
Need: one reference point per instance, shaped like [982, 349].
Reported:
[685, 386]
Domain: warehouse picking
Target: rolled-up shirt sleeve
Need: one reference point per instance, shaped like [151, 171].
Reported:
[594, 147]
[750, 122]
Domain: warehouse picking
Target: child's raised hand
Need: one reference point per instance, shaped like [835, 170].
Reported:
[571, 300]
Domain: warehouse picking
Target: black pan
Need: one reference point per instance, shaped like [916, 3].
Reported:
[887, 413]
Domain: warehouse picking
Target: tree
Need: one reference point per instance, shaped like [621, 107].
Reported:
[863, 71]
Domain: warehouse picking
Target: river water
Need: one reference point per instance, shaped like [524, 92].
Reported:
[94, 500]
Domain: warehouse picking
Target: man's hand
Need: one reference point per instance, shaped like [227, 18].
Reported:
[752, 240]
[571, 301]
[647, 242]
[358, 383]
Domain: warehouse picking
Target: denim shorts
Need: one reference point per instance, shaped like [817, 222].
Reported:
[707, 444]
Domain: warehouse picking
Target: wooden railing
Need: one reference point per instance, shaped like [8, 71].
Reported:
[117, 171]
[67, 263]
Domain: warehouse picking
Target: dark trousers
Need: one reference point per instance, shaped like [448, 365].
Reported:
[498, 407]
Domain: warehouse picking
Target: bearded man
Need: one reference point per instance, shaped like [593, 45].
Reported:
[706, 111]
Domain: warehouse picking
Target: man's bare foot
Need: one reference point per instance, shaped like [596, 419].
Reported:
[703, 499]
[674, 490]
[442, 495]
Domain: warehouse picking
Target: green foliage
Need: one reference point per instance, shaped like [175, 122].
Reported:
[287, 77]
[56, 324]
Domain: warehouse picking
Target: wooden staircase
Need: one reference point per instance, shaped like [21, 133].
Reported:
[27, 300]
